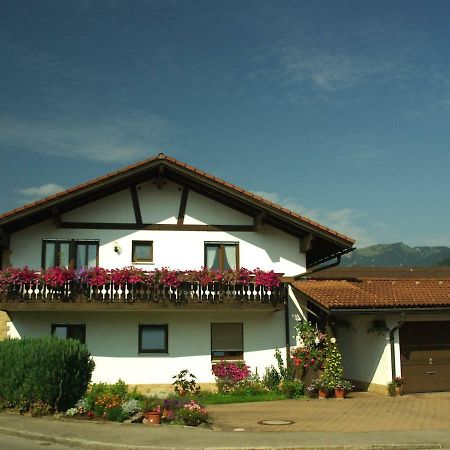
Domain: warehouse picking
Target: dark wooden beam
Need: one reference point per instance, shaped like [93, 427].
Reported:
[154, 226]
[136, 206]
[11, 306]
[259, 220]
[306, 243]
[4, 238]
[183, 203]
[56, 214]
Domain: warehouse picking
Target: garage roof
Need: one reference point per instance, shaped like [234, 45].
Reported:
[407, 289]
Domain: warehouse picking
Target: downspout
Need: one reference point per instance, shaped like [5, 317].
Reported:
[286, 329]
[392, 343]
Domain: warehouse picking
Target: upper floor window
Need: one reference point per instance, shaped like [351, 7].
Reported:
[222, 255]
[142, 251]
[72, 254]
[69, 331]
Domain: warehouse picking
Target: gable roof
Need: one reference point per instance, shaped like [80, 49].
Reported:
[366, 289]
[328, 243]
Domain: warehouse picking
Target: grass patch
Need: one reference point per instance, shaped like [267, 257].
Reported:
[214, 398]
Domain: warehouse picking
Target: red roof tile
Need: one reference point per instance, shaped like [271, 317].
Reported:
[372, 293]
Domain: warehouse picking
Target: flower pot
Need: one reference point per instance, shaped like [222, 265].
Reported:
[398, 390]
[339, 394]
[153, 417]
[323, 393]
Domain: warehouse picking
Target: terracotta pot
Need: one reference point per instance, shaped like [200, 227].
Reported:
[399, 390]
[339, 394]
[323, 393]
[153, 417]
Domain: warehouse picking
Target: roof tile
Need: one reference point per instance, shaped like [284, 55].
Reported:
[377, 293]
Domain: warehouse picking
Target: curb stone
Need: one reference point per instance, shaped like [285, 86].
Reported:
[95, 445]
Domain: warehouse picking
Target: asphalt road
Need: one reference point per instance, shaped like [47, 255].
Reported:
[18, 443]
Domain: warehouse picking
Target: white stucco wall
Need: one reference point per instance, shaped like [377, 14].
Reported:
[268, 249]
[112, 338]
[367, 356]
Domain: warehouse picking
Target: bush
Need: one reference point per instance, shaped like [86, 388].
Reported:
[271, 378]
[228, 374]
[192, 414]
[292, 389]
[38, 371]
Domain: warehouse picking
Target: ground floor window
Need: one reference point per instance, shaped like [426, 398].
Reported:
[227, 341]
[153, 338]
[69, 331]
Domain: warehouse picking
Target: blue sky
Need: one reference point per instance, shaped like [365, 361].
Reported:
[337, 109]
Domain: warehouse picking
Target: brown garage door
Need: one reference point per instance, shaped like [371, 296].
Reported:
[425, 356]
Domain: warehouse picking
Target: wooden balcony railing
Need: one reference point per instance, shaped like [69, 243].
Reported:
[185, 293]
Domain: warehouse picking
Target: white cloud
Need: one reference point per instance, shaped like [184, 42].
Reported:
[37, 192]
[343, 220]
[119, 139]
[336, 70]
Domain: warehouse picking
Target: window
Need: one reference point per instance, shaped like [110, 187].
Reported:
[153, 338]
[227, 341]
[72, 254]
[222, 255]
[70, 331]
[142, 251]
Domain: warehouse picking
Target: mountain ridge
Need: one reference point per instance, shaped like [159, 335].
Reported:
[397, 254]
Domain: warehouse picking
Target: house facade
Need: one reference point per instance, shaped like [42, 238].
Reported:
[389, 322]
[162, 213]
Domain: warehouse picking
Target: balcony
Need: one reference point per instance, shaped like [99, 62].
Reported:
[75, 296]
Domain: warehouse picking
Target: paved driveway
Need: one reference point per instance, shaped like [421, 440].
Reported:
[362, 411]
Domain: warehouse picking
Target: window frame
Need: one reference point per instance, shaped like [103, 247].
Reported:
[73, 243]
[141, 260]
[163, 326]
[225, 357]
[68, 326]
[221, 246]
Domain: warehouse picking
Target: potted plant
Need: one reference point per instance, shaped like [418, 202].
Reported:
[319, 387]
[395, 387]
[341, 388]
[152, 410]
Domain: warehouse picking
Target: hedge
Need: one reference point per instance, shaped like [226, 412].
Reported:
[46, 370]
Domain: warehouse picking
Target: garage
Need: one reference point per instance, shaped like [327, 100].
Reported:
[425, 356]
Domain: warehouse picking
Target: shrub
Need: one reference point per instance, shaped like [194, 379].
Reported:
[184, 386]
[251, 385]
[271, 378]
[293, 388]
[192, 413]
[38, 371]
[228, 374]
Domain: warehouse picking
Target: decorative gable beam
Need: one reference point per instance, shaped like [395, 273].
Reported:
[183, 203]
[306, 243]
[56, 214]
[4, 238]
[136, 205]
[259, 220]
